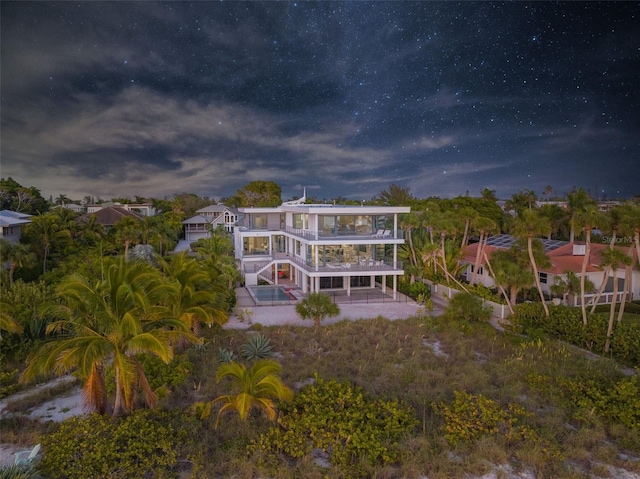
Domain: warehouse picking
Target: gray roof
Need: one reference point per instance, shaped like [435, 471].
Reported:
[13, 218]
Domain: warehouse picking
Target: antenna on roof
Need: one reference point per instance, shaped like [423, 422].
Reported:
[299, 201]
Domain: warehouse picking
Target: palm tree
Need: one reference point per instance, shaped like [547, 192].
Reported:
[577, 200]
[193, 298]
[17, 255]
[127, 231]
[317, 306]
[469, 216]
[44, 229]
[570, 285]
[7, 321]
[485, 227]
[632, 222]
[527, 225]
[557, 218]
[614, 258]
[409, 222]
[510, 273]
[588, 218]
[500, 286]
[254, 387]
[109, 322]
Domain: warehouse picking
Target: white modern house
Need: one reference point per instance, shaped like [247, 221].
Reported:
[320, 247]
[11, 223]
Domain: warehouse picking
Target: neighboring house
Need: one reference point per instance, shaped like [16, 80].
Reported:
[208, 219]
[11, 223]
[320, 247]
[109, 216]
[72, 207]
[564, 257]
[143, 209]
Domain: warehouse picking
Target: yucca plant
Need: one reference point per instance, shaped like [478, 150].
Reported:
[257, 347]
[19, 471]
[226, 355]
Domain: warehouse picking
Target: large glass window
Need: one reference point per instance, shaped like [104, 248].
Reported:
[363, 225]
[297, 221]
[278, 244]
[327, 225]
[259, 221]
[256, 246]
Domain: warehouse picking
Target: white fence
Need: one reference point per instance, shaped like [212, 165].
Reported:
[499, 310]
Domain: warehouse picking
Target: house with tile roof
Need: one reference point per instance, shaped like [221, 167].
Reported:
[11, 223]
[564, 256]
[109, 216]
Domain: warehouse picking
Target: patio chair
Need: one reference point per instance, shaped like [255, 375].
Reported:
[386, 233]
[27, 456]
[378, 234]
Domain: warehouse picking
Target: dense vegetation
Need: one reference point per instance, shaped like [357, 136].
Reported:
[443, 397]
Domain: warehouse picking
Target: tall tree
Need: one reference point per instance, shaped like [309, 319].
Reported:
[410, 222]
[577, 201]
[256, 194]
[485, 228]
[17, 255]
[614, 258]
[588, 218]
[527, 225]
[395, 195]
[43, 230]
[509, 272]
[127, 231]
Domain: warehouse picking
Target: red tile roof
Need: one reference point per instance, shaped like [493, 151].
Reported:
[110, 215]
[562, 258]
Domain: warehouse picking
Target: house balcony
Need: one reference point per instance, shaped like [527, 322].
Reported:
[361, 268]
[384, 236]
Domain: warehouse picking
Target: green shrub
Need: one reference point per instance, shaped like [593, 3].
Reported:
[415, 290]
[615, 401]
[468, 307]
[342, 420]
[8, 383]
[144, 444]
[471, 417]
[565, 323]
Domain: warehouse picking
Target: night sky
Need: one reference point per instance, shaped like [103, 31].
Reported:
[152, 99]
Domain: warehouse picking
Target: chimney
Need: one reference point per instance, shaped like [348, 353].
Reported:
[579, 249]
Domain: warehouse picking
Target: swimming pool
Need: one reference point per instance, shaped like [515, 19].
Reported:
[269, 294]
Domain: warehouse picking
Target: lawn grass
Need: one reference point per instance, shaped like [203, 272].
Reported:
[422, 361]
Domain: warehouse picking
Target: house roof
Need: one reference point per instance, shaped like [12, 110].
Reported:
[197, 220]
[110, 215]
[561, 256]
[212, 209]
[13, 218]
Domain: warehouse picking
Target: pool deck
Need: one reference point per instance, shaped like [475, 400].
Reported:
[286, 314]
